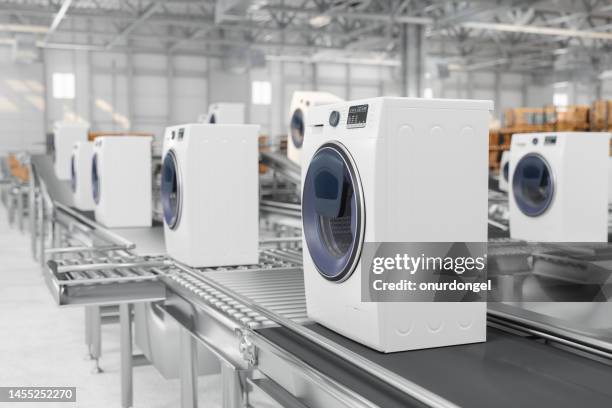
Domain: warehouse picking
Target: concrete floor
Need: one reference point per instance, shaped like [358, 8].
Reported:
[43, 345]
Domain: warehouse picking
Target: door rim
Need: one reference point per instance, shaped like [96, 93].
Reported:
[348, 270]
[179, 197]
[551, 196]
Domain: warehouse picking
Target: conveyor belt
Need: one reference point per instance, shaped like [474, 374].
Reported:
[506, 371]
[276, 283]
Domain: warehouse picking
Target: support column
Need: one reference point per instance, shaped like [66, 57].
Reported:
[412, 59]
[188, 370]
[232, 387]
[125, 318]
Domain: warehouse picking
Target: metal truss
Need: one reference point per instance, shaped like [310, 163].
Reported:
[510, 35]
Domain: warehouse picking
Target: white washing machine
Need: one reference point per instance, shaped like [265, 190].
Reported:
[65, 135]
[610, 180]
[121, 181]
[504, 170]
[301, 102]
[80, 171]
[559, 187]
[210, 194]
[226, 113]
[376, 170]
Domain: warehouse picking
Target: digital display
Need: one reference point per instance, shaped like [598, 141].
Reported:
[550, 140]
[357, 116]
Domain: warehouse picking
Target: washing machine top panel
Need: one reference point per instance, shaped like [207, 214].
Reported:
[171, 194]
[73, 175]
[297, 128]
[95, 179]
[333, 212]
[533, 185]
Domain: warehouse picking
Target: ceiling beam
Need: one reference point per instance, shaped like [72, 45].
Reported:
[144, 16]
[57, 20]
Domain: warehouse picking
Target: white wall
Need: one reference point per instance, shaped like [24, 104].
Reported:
[145, 92]
[22, 104]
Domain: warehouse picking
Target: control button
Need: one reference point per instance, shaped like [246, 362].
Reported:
[334, 118]
[534, 141]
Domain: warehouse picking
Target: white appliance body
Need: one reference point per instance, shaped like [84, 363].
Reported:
[406, 199]
[80, 169]
[121, 181]
[610, 180]
[504, 171]
[210, 194]
[559, 187]
[65, 135]
[225, 113]
[301, 103]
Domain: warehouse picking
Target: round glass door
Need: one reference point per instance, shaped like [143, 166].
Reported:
[333, 213]
[73, 175]
[170, 190]
[532, 185]
[95, 179]
[506, 171]
[297, 128]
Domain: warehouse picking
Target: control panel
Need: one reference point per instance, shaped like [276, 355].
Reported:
[357, 116]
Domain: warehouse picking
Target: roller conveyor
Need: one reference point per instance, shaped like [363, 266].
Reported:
[276, 283]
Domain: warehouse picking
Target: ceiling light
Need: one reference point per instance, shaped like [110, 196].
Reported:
[320, 21]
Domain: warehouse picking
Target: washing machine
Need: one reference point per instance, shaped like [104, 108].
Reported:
[65, 135]
[226, 113]
[559, 187]
[504, 169]
[377, 170]
[210, 194]
[121, 181]
[301, 102]
[610, 180]
[80, 175]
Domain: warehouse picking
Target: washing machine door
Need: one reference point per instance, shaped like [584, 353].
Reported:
[533, 185]
[297, 128]
[171, 190]
[333, 212]
[73, 174]
[95, 179]
[506, 171]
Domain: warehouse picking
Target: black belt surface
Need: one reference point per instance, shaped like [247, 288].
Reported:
[506, 371]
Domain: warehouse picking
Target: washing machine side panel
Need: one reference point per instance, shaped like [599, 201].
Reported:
[434, 157]
[437, 174]
[63, 140]
[125, 167]
[220, 219]
[585, 199]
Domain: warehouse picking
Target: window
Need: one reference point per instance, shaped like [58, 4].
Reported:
[560, 99]
[63, 85]
[261, 92]
[560, 94]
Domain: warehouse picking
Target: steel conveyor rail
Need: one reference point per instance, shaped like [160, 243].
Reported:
[411, 389]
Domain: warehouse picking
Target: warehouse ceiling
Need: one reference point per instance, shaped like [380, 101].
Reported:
[530, 36]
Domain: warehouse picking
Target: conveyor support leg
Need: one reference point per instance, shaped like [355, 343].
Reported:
[188, 373]
[125, 316]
